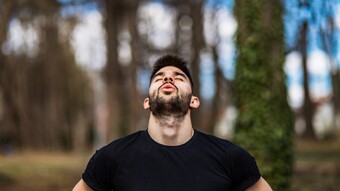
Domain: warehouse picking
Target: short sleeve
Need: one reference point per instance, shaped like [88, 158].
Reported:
[245, 172]
[97, 173]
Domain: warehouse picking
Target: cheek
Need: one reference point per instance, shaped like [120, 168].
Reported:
[152, 90]
[186, 89]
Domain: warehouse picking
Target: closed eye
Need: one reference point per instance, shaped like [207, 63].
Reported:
[180, 76]
[157, 79]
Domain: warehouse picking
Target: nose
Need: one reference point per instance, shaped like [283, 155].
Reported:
[168, 79]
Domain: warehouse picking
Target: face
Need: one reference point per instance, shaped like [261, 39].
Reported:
[170, 93]
[170, 81]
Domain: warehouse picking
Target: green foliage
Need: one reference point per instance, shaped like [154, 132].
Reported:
[265, 124]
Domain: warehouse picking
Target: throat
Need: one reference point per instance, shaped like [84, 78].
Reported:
[172, 136]
[170, 121]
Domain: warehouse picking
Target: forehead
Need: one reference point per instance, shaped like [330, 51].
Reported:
[170, 69]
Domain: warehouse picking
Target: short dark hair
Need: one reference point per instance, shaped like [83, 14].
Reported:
[171, 60]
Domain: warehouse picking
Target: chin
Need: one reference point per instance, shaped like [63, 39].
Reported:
[167, 94]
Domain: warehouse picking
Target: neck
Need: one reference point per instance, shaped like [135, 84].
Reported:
[169, 130]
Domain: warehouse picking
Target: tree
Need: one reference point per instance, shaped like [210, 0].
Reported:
[308, 108]
[6, 11]
[317, 19]
[264, 125]
[46, 96]
[113, 73]
[330, 44]
[121, 79]
[197, 43]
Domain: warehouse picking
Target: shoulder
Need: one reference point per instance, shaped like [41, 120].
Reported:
[103, 164]
[230, 150]
[214, 141]
[120, 144]
[105, 157]
[126, 140]
[239, 164]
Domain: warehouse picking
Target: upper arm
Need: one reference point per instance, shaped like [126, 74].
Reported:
[98, 173]
[244, 170]
[81, 186]
[260, 185]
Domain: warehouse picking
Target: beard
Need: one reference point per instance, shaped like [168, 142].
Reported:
[176, 106]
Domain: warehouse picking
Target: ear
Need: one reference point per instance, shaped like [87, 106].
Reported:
[195, 102]
[146, 103]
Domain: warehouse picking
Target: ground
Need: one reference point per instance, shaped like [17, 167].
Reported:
[40, 171]
[317, 167]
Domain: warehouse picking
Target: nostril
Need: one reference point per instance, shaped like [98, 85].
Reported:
[167, 80]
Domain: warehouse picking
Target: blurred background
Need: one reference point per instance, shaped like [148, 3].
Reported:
[73, 76]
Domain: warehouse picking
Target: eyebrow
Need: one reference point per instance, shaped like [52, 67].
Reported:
[181, 74]
[158, 74]
[176, 74]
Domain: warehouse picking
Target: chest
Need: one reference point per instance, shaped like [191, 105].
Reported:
[164, 170]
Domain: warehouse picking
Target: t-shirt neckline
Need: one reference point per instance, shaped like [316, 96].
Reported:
[184, 145]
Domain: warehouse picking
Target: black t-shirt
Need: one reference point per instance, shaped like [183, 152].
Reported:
[138, 163]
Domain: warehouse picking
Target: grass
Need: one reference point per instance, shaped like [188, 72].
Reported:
[40, 171]
[317, 167]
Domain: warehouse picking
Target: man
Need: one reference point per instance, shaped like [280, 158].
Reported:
[171, 155]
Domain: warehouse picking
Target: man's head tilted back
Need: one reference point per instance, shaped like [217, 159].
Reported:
[171, 60]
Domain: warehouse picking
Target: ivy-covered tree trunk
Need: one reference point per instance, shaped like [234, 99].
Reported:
[264, 125]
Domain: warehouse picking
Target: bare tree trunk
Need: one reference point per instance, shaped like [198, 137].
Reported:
[336, 100]
[197, 45]
[12, 93]
[6, 11]
[113, 74]
[7, 134]
[134, 98]
[308, 108]
[328, 39]
[78, 133]
[215, 109]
